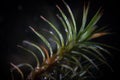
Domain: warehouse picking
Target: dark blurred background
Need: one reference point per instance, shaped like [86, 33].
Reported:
[16, 16]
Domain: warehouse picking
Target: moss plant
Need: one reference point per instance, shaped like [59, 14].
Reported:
[74, 56]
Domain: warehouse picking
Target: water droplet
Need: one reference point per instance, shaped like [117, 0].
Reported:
[51, 32]
[45, 78]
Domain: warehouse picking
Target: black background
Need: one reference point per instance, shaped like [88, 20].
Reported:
[16, 16]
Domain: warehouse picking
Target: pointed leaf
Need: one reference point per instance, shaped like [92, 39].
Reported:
[94, 20]
[54, 38]
[43, 39]
[96, 51]
[90, 27]
[17, 68]
[36, 58]
[96, 35]
[97, 57]
[24, 64]
[67, 67]
[84, 19]
[72, 17]
[99, 46]
[46, 52]
[37, 47]
[103, 49]
[49, 76]
[101, 29]
[65, 27]
[75, 59]
[86, 57]
[85, 70]
[57, 31]
[67, 22]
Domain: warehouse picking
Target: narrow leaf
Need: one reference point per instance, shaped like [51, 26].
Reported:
[101, 29]
[74, 59]
[84, 19]
[96, 35]
[85, 70]
[36, 58]
[94, 20]
[90, 27]
[54, 38]
[37, 47]
[72, 17]
[43, 39]
[49, 76]
[65, 27]
[102, 45]
[96, 51]
[67, 67]
[86, 57]
[57, 31]
[24, 64]
[67, 22]
[103, 49]
[46, 52]
[93, 54]
[97, 57]
[17, 68]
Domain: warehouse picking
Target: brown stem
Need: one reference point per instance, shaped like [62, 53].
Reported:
[47, 65]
